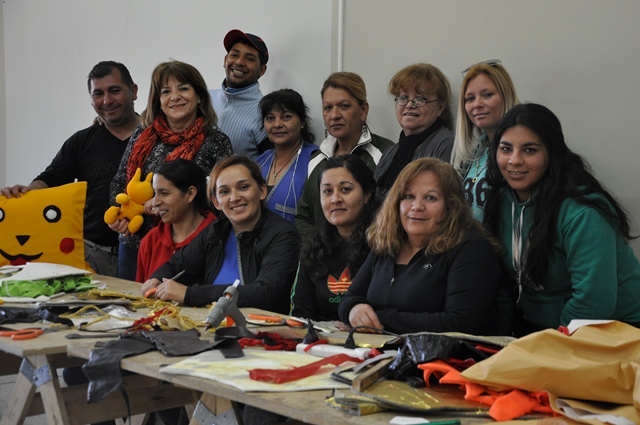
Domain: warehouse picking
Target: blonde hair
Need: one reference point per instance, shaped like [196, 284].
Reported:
[425, 78]
[386, 236]
[467, 134]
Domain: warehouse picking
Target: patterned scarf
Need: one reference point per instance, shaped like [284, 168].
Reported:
[187, 142]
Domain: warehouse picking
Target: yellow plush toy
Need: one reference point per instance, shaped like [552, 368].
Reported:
[132, 203]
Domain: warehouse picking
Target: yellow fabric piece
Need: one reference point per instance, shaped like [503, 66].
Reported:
[168, 314]
[44, 225]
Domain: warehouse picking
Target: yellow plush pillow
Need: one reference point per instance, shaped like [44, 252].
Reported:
[44, 225]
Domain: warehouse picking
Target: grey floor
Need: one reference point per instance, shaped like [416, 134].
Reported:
[6, 388]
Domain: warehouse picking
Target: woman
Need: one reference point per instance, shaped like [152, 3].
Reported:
[423, 109]
[430, 267]
[181, 203]
[248, 242]
[338, 246]
[565, 237]
[487, 94]
[286, 120]
[344, 110]
[179, 122]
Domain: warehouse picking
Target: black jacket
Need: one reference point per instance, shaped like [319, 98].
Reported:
[268, 260]
[450, 292]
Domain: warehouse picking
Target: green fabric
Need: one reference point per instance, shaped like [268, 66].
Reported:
[593, 272]
[35, 288]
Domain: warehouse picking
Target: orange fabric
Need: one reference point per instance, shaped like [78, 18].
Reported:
[512, 405]
[437, 368]
[505, 405]
[187, 142]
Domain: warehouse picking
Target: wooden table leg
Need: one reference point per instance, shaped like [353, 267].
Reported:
[46, 379]
[23, 391]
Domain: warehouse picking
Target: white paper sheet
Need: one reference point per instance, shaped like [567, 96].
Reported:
[234, 372]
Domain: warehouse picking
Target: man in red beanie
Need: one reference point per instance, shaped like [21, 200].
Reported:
[236, 102]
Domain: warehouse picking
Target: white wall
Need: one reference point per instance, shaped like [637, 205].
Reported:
[580, 58]
[3, 103]
[52, 45]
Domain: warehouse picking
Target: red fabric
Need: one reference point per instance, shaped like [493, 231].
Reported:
[157, 246]
[318, 342]
[280, 376]
[187, 142]
[505, 405]
[279, 343]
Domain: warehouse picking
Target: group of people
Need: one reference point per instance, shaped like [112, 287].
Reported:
[496, 229]
[489, 225]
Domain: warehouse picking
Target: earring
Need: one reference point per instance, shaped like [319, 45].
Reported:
[326, 133]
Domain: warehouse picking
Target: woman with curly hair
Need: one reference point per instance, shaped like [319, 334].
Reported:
[431, 268]
[338, 246]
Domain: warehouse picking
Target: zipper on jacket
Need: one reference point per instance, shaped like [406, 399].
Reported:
[388, 292]
[239, 256]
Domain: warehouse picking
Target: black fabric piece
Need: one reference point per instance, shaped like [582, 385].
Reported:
[407, 146]
[179, 343]
[103, 368]
[18, 315]
[230, 348]
[233, 332]
[52, 314]
[423, 348]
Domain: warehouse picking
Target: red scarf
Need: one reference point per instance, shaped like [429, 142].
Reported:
[187, 142]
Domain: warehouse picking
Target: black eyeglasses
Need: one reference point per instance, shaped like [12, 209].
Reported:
[490, 62]
[417, 102]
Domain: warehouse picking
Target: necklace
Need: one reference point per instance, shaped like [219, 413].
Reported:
[275, 173]
[478, 172]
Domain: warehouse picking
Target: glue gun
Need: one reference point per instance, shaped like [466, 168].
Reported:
[227, 305]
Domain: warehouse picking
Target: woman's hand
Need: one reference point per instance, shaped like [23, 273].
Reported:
[170, 290]
[364, 315]
[149, 285]
[149, 209]
[343, 327]
[120, 226]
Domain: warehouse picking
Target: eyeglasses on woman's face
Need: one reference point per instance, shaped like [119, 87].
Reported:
[417, 102]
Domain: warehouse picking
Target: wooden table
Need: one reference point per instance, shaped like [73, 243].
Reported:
[36, 360]
[306, 406]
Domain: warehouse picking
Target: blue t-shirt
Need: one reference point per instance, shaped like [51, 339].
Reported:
[229, 271]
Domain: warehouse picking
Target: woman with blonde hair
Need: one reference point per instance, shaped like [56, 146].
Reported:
[423, 109]
[431, 268]
[179, 122]
[344, 110]
[487, 93]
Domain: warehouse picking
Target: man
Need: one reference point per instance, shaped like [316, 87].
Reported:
[236, 103]
[93, 155]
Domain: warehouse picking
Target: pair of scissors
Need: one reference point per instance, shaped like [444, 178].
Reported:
[22, 334]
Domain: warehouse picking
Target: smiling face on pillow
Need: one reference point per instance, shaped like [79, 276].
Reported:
[44, 225]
